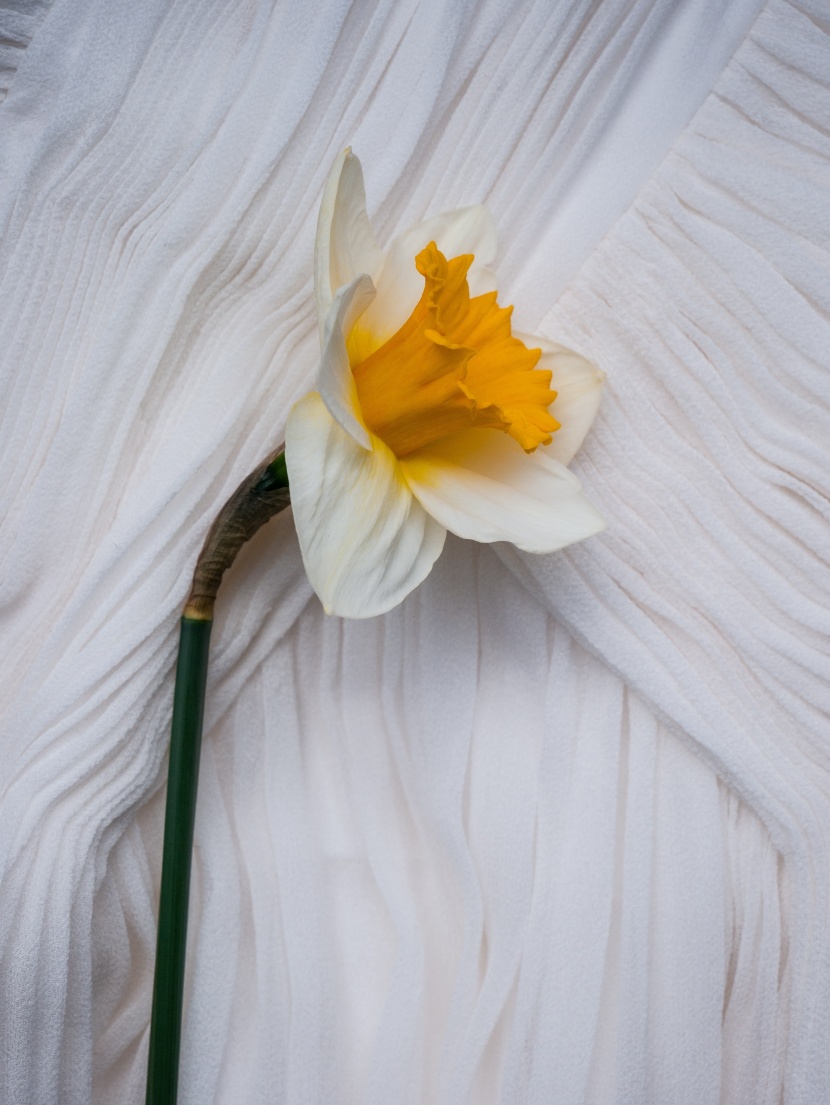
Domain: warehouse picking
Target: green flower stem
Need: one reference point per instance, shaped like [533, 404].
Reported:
[179, 818]
[259, 497]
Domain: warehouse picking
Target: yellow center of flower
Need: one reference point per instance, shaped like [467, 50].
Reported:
[453, 365]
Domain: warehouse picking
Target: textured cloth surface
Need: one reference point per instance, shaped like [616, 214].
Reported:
[555, 830]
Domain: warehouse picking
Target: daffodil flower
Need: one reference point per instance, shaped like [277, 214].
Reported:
[430, 414]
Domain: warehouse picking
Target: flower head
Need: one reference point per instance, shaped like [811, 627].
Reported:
[430, 414]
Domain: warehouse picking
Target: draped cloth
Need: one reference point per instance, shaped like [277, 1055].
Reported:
[557, 829]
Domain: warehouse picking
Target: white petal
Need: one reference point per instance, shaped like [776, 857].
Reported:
[468, 230]
[480, 485]
[334, 379]
[398, 282]
[578, 385]
[345, 245]
[366, 541]
[481, 279]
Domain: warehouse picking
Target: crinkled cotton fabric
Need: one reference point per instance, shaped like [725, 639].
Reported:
[554, 831]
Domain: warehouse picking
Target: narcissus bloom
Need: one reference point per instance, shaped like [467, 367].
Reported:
[430, 414]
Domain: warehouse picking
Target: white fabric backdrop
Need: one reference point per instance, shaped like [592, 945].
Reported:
[554, 831]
